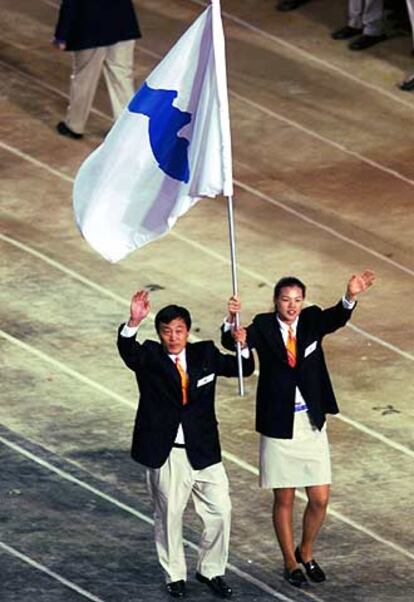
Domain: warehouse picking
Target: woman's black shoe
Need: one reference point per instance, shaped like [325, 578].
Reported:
[295, 578]
[312, 568]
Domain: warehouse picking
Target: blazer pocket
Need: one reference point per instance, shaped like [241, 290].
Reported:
[310, 349]
[205, 380]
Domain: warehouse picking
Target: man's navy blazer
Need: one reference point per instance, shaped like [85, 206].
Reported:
[160, 409]
[275, 399]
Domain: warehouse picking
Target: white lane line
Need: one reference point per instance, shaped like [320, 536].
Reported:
[304, 129]
[269, 112]
[229, 456]
[372, 337]
[259, 278]
[205, 250]
[49, 3]
[246, 188]
[324, 139]
[36, 162]
[251, 189]
[108, 498]
[274, 115]
[40, 567]
[219, 257]
[338, 515]
[64, 368]
[124, 302]
[311, 57]
[321, 226]
[59, 266]
[102, 389]
[375, 434]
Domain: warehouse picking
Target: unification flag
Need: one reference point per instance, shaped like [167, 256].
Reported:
[170, 146]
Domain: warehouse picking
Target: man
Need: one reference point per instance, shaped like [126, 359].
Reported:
[294, 394]
[365, 17]
[101, 34]
[177, 439]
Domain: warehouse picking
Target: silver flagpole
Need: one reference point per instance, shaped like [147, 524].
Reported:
[234, 281]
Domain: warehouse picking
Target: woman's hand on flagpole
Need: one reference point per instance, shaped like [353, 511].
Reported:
[240, 336]
[233, 307]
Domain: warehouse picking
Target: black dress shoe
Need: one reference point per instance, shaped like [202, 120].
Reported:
[176, 589]
[408, 84]
[285, 5]
[295, 578]
[63, 130]
[312, 568]
[345, 33]
[217, 585]
[365, 41]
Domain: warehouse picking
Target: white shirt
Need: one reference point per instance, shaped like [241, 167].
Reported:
[300, 403]
[179, 438]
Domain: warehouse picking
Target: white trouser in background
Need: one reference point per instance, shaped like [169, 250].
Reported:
[170, 487]
[117, 64]
[410, 8]
[366, 15]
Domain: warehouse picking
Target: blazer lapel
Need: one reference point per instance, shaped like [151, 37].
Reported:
[274, 337]
[192, 367]
[300, 341]
[172, 373]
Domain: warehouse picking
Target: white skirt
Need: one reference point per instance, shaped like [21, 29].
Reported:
[302, 461]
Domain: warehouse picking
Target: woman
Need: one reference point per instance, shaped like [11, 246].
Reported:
[294, 394]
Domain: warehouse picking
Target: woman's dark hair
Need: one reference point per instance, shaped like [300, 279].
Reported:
[170, 313]
[288, 281]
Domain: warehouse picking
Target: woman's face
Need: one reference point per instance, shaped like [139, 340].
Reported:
[289, 303]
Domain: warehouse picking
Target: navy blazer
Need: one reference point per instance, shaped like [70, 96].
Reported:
[86, 24]
[275, 399]
[160, 410]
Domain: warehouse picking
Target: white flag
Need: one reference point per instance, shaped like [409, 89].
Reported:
[170, 146]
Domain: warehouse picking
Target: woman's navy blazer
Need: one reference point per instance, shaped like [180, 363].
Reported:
[275, 398]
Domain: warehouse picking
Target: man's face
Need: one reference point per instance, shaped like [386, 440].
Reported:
[289, 303]
[174, 335]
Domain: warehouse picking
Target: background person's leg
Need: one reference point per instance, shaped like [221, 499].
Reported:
[87, 66]
[373, 17]
[118, 70]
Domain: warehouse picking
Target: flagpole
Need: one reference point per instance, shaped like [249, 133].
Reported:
[230, 217]
[220, 66]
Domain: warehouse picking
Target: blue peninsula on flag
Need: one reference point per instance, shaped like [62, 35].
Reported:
[170, 147]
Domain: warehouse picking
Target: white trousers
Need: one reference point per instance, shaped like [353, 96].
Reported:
[366, 15]
[117, 64]
[410, 7]
[170, 487]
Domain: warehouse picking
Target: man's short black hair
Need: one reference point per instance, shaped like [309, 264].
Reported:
[172, 312]
[288, 281]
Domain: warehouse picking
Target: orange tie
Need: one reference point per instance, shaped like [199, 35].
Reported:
[291, 348]
[184, 380]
